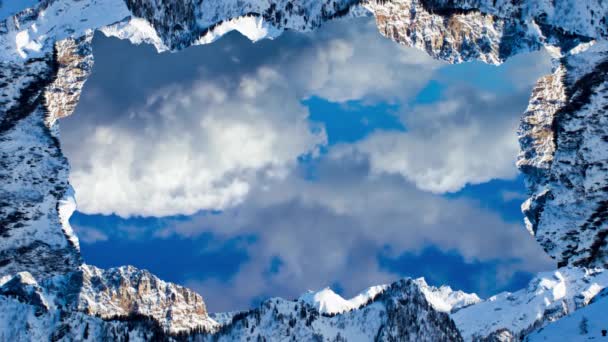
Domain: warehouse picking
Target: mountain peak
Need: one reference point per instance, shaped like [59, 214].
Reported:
[326, 301]
[444, 298]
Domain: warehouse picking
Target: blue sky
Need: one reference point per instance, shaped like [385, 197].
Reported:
[333, 158]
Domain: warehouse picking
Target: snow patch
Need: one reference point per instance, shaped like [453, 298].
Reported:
[253, 27]
[326, 301]
[137, 31]
[66, 207]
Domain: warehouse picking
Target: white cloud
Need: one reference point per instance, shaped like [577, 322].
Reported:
[89, 234]
[202, 144]
[333, 229]
[352, 61]
[193, 147]
[467, 137]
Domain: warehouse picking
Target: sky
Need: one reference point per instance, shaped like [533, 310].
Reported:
[11, 7]
[334, 158]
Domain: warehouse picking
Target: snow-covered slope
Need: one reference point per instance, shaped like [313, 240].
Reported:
[366, 295]
[400, 313]
[548, 297]
[445, 299]
[504, 317]
[585, 324]
[326, 301]
[442, 299]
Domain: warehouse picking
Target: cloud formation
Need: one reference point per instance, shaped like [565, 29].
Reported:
[193, 147]
[200, 144]
[223, 126]
[467, 137]
[335, 228]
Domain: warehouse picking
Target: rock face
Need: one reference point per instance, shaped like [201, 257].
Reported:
[34, 176]
[117, 294]
[564, 154]
[127, 291]
[45, 58]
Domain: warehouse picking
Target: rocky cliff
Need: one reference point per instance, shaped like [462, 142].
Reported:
[45, 58]
[115, 294]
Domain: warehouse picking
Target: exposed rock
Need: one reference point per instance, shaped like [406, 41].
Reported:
[74, 62]
[127, 291]
[564, 155]
[118, 294]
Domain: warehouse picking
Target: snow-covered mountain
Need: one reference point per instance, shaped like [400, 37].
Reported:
[442, 299]
[112, 294]
[326, 301]
[445, 299]
[126, 301]
[47, 293]
[586, 324]
[547, 298]
[565, 158]
[503, 317]
[399, 313]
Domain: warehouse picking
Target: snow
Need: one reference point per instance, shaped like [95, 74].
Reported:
[23, 42]
[326, 301]
[445, 299]
[223, 318]
[366, 295]
[253, 27]
[30, 133]
[66, 207]
[137, 31]
[571, 328]
[283, 320]
[28, 37]
[549, 296]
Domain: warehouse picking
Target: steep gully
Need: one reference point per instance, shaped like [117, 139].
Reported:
[47, 56]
